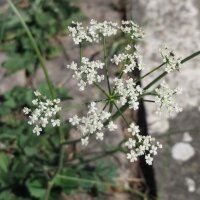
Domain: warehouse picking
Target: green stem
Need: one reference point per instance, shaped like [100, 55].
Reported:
[35, 47]
[125, 107]
[101, 89]
[48, 191]
[105, 105]
[117, 114]
[111, 107]
[51, 89]
[106, 153]
[165, 73]
[120, 76]
[153, 70]
[121, 114]
[106, 63]
[190, 57]
[77, 179]
[60, 166]
[81, 53]
[148, 100]
[85, 180]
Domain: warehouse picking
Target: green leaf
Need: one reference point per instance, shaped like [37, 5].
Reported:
[30, 151]
[54, 51]
[36, 189]
[4, 163]
[8, 195]
[15, 63]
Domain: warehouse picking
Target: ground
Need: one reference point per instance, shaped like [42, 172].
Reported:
[172, 22]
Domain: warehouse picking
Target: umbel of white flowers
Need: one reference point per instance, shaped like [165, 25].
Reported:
[44, 113]
[87, 73]
[139, 145]
[95, 30]
[93, 123]
[124, 86]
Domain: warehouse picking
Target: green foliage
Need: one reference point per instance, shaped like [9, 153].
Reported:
[27, 160]
[45, 19]
[87, 177]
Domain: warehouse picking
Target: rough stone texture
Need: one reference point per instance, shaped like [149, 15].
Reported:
[175, 23]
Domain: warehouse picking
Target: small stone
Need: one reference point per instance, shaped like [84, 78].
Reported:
[187, 137]
[190, 184]
[182, 151]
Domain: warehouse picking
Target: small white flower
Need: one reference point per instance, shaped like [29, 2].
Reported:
[99, 135]
[130, 143]
[57, 101]
[85, 141]
[128, 47]
[33, 119]
[169, 58]
[49, 113]
[99, 29]
[37, 130]
[148, 159]
[130, 61]
[87, 73]
[37, 94]
[112, 126]
[44, 122]
[132, 156]
[45, 111]
[132, 29]
[74, 120]
[105, 115]
[35, 102]
[139, 145]
[93, 122]
[26, 110]
[164, 99]
[128, 92]
[133, 129]
[79, 33]
[55, 122]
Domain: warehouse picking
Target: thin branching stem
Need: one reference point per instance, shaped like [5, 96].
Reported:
[35, 47]
[153, 70]
[124, 118]
[101, 89]
[125, 107]
[96, 182]
[165, 73]
[106, 63]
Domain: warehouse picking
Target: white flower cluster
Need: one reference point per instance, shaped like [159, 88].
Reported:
[92, 123]
[87, 72]
[78, 33]
[139, 145]
[164, 99]
[44, 113]
[128, 92]
[95, 30]
[169, 58]
[99, 29]
[130, 60]
[132, 29]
